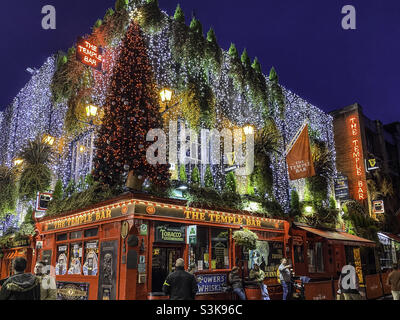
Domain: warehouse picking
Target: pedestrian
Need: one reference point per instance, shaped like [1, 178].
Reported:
[258, 275]
[236, 283]
[180, 285]
[351, 291]
[393, 280]
[20, 286]
[285, 278]
[48, 289]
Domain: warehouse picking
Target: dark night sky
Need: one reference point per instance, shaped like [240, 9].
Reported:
[314, 57]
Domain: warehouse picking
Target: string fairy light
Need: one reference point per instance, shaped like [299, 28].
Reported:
[32, 111]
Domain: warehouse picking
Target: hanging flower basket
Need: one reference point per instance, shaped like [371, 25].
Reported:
[246, 239]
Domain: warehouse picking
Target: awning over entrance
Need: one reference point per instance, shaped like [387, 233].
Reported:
[338, 237]
[391, 236]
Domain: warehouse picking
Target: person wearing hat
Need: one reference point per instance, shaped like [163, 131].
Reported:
[180, 285]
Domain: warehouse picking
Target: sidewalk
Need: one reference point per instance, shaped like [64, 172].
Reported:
[387, 297]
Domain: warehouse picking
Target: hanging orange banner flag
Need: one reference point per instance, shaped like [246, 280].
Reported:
[299, 159]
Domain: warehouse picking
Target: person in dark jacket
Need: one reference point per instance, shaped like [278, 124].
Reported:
[20, 286]
[180, 285]
[236, 282]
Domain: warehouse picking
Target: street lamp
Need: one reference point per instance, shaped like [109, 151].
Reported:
[91, 113]
[308, 209]
[248, 129]
[91, 110]
[48, 139]
[18, 162]
[166, 96]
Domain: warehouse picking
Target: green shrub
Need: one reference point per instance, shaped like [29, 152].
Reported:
[8, 191]
[58, 192]
[208, 178]
[34, 179]
[182, 173]
[230, 183]
[195, 177]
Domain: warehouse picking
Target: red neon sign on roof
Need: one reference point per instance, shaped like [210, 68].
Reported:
[89, 54]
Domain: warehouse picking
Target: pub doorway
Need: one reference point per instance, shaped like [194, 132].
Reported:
[163, 263]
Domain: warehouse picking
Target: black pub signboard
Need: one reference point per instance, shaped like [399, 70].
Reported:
[169, 233]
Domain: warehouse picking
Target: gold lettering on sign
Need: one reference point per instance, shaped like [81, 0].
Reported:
[81, 219]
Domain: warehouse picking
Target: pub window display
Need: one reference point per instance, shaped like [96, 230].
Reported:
[90, 267]
[75, 266]
[61, 264]
[267, 256]
[219, 249]
[199, 254]
[200, 251]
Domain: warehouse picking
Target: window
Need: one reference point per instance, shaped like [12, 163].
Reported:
[298, 254]
[267, 256]
[219, 249]
[75, 257]
[61, 264]
[75, 266]
[90, 266]
[62, 237]
[315, 257]
[199, 253]
[91, 232]
[75, 235]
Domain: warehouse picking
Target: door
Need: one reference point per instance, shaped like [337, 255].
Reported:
[164, 259]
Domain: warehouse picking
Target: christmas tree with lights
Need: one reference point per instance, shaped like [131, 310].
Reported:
[130, 111]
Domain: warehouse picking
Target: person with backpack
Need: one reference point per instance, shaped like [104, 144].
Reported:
[236, 283]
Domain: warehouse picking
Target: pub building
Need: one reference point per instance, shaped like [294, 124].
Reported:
[16, 248]
[123, 249]
[320, 254]
[390, 250]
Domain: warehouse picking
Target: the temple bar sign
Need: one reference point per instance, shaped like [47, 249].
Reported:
[197, 215]
[89, 54]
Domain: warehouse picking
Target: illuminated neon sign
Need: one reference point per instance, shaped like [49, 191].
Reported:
[89, 54]
[359, 187]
